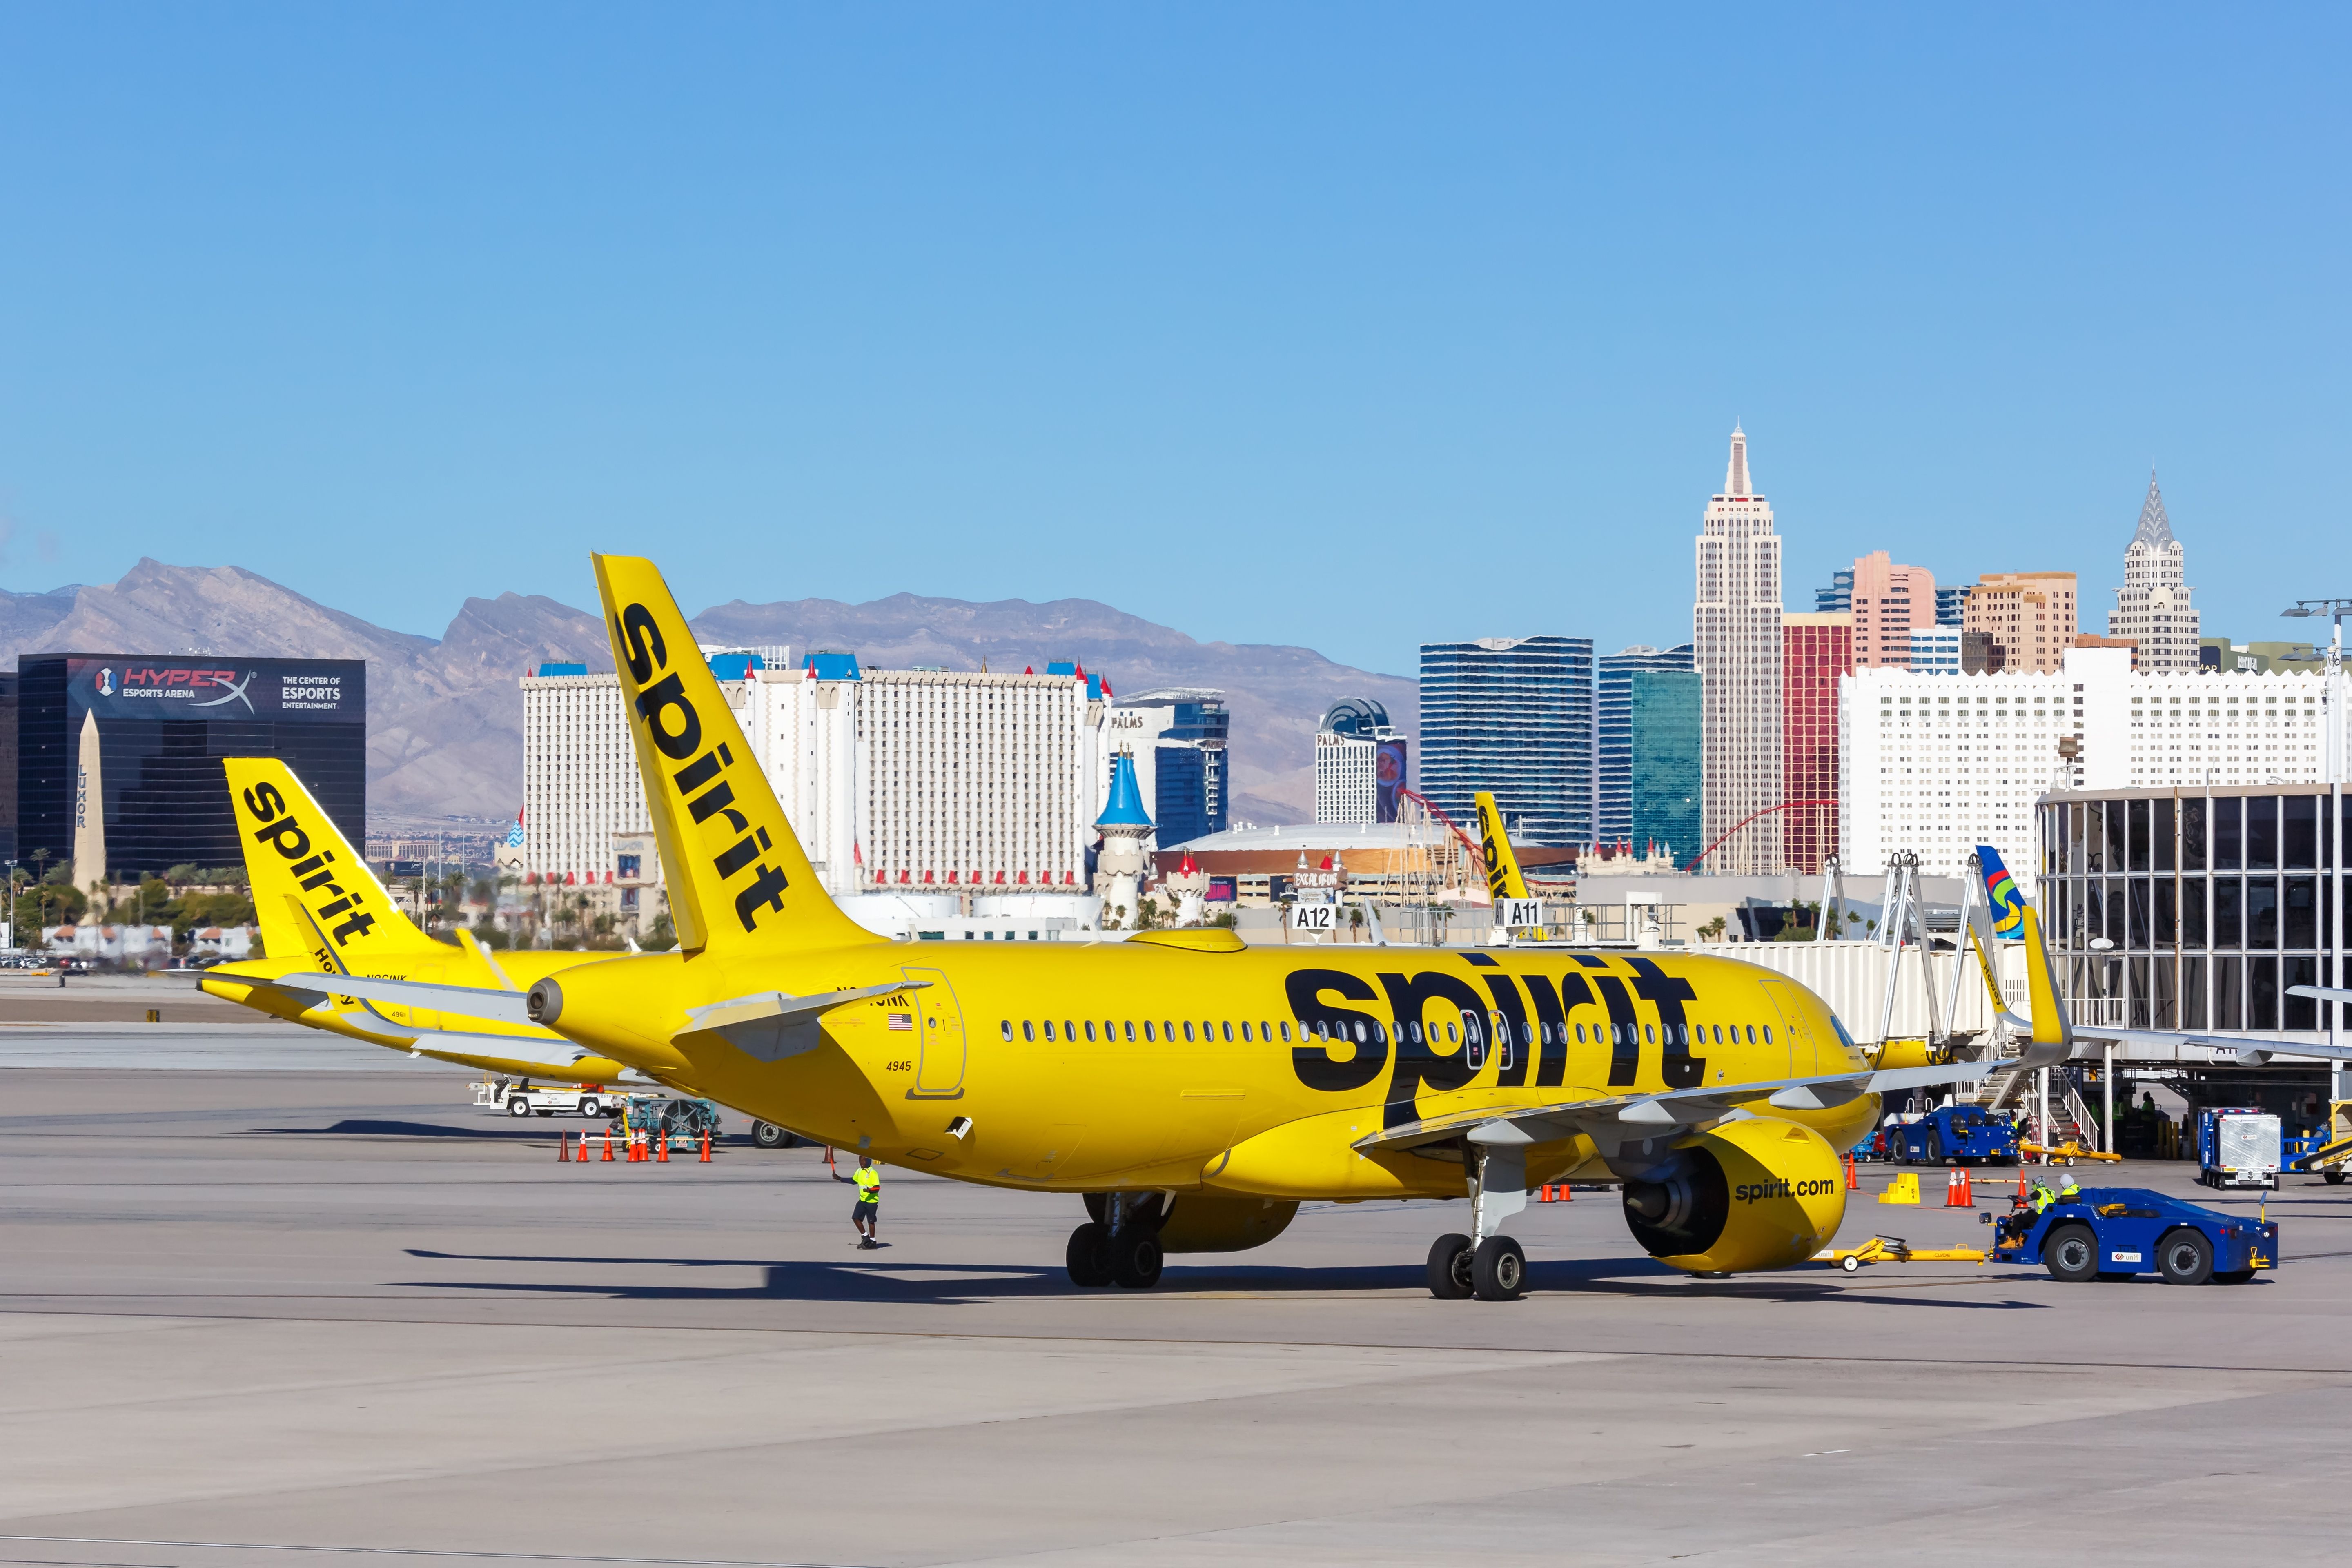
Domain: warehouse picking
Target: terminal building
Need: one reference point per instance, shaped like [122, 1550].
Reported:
[117, 756]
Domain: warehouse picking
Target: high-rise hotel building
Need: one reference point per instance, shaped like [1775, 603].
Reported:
[2152, 607]
[1516, 716]
[1736, 627]
[1816, 651]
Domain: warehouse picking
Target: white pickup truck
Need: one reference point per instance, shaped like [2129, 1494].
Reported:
[548, 1100]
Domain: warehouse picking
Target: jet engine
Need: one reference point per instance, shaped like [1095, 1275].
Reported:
[1201, 1222]
[1750, 1195]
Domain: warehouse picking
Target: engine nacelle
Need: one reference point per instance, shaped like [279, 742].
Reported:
[1750, 1195]
[1200, 1222]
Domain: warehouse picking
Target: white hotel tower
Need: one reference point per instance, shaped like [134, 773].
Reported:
[1736, 627]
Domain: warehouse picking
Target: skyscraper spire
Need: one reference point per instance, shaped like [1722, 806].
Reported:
[2155, 528]
[1735, 478]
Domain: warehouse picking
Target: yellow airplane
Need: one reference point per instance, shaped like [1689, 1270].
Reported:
[1193, 1090]
[323, 914]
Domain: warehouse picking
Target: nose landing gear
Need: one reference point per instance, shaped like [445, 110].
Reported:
[1489, 1266]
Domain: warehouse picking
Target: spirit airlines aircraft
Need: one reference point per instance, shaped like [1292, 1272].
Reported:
[324, 914]
[1193, 1090]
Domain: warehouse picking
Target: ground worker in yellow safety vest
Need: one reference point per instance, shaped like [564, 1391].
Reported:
[2043, 1197]
[869, 1183]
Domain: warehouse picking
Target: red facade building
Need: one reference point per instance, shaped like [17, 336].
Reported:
[1815, 650]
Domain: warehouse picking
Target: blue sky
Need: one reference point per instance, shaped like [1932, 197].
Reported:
[1350, 326]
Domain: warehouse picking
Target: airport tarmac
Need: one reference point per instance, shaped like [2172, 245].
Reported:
[299, 1316]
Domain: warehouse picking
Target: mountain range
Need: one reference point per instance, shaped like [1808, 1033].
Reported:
[445, 718]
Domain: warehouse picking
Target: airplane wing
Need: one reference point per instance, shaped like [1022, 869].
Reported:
[1648, 1115]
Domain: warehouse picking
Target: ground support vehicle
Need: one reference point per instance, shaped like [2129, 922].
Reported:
[1895, 1250]
[550, 1100]
[2327, 1151]
[2067, 1153]
[2237, 1146]
[1954, 1134]
[2112, 1232]
[679, 1120]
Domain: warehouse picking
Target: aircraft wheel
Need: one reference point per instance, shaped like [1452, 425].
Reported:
[1449, 1267]
[2185, 1257]
[1500, 1270]
[1135, 1258]
[2071, 1253]
[1088, 1257]
[768, 1135]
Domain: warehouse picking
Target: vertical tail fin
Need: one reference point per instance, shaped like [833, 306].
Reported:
[2054, 1032]
[297, 860]
[1502, 879]
[739, 882]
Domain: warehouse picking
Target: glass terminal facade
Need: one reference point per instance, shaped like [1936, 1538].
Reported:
[2197, 911]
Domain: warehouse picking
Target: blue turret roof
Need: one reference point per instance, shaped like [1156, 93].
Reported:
[1125, 808]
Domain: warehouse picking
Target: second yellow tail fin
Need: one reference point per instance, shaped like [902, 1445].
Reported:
[739, 881]
[297, 859]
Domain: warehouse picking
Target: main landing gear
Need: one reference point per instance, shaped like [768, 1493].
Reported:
[1120, 1244]
[1489, 1266]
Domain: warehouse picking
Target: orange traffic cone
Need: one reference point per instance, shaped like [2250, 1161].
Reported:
[664, 1155]
[563, 1149]
[1853, 1174]
[2021, 1194]
[1958, 1192]
[706, 1148]
[608, 1144]
[584, 1146]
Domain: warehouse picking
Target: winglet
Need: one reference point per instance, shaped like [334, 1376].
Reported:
[738, 880]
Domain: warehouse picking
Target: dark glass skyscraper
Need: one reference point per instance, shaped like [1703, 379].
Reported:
[1614, 737]
[1664, 771]
[164, 726]
[1513, 715]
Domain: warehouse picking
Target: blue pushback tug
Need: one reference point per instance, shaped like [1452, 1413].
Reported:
[1964, 1134]
[2105, 1232]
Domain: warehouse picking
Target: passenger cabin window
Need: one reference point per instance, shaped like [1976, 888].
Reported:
[1049, 1028]
[1090, 1031]
[1028, 1030]
[1008, 1031]
[1130, 1030]
[1188, 1031]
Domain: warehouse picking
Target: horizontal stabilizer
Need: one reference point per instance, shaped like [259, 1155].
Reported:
[466, 1001]
[773, 1025]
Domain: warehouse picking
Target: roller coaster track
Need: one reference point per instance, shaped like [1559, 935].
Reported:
[1751, 816]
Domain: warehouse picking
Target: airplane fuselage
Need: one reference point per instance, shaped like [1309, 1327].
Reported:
[1253, 1071]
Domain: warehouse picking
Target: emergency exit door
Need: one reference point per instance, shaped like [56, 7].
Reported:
[1801, 1045]
[939, 1019]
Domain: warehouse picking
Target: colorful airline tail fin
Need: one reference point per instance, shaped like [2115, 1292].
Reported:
[2054, 1032]
[313, 892]
[1502, 879]
[739, 882]
[2001, 893]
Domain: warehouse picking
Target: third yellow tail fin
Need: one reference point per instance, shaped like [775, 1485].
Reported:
[739, 881]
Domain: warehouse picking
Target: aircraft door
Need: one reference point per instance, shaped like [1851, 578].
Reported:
[939, 1051]
[1791, 1022]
